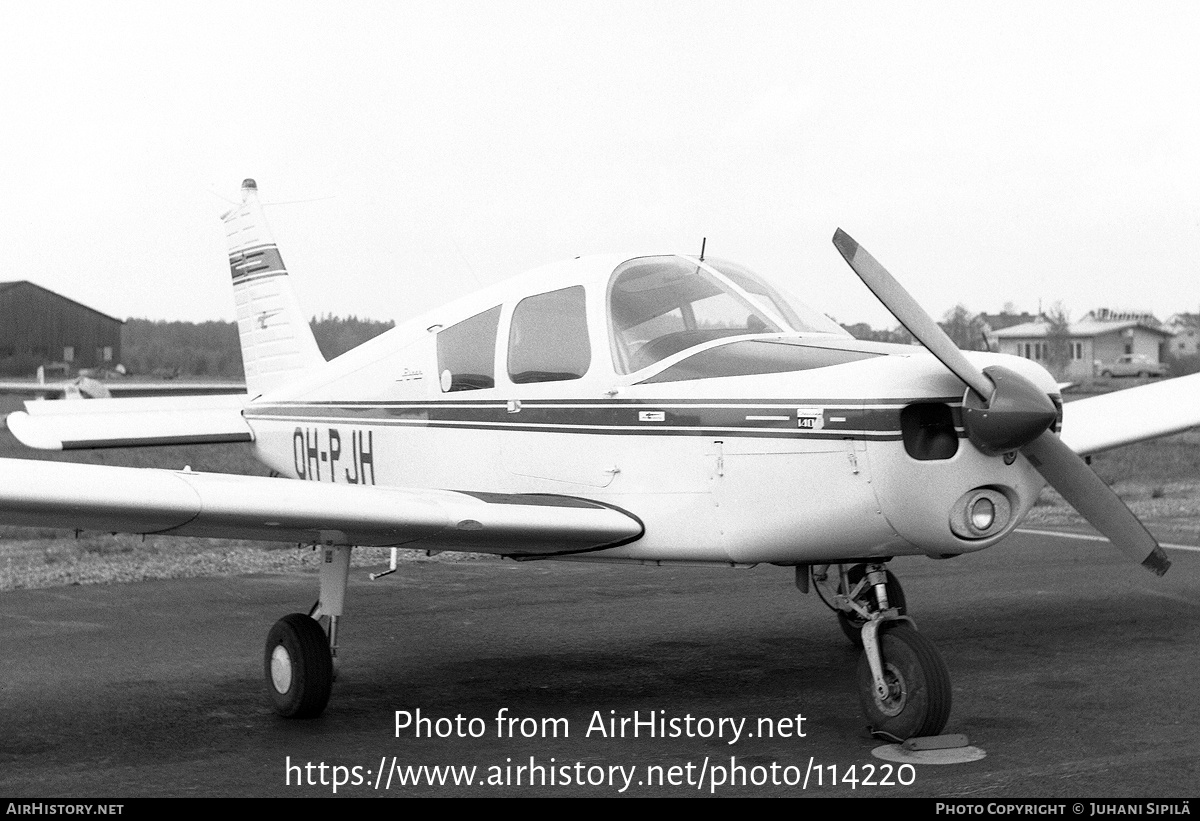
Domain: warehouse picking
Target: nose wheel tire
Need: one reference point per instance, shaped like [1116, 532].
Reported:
[852, 623]
[918, 699]
[298, 667]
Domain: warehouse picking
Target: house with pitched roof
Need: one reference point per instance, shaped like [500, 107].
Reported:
[1082, 349]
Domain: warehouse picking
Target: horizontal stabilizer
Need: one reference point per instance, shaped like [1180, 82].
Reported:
[1132, 415]
[119, 423]
[183, 503]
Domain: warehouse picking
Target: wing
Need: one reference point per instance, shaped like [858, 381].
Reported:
[1133, 415]
[85, 388]
[145, 500]
[112, 423]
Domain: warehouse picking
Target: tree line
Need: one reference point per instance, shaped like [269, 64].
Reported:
[212, 349]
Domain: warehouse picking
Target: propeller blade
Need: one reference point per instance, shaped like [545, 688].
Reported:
[1095, 501]
[911, 315]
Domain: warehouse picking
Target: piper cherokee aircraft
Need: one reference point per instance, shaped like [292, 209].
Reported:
[646, 409]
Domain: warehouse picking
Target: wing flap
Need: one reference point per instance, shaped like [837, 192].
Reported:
[115, 423]
[144, 500]
[1133, 415]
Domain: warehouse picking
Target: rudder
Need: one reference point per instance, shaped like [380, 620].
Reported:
[277, 341]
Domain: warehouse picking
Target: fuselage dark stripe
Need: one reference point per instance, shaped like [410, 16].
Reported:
[806, 421]
[447, 402]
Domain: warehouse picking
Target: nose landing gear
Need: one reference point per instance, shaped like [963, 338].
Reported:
[904, 687]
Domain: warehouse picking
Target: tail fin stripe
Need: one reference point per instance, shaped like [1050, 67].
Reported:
[264, 258]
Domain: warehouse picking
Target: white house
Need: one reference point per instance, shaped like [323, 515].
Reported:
[1101, 337]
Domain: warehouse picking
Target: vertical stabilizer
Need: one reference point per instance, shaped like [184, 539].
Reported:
[277, 342]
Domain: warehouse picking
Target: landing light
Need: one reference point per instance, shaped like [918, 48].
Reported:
[983, 513]
[980, 513]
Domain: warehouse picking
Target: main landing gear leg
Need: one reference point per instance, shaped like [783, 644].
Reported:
[904, 687]
[300, 658]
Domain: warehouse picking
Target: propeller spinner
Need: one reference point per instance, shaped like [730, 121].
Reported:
[1004, 411]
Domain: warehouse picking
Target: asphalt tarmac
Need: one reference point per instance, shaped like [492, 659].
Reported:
[1072, 669]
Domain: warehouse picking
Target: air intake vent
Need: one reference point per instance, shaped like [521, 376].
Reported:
[928, 431]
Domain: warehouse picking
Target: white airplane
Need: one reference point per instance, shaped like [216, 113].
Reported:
[645, 409]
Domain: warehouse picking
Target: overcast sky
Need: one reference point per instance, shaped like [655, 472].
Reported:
[984, 153]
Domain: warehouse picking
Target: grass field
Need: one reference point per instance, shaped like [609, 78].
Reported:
[1160, 480]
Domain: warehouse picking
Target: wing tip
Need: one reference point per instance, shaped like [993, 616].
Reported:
[28, 434]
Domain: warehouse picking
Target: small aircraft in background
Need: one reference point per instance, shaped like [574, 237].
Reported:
[646, 409]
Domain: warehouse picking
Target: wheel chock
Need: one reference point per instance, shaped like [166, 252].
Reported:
[936, 742]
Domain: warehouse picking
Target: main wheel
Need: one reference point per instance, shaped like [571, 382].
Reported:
[298, 667]
[918, 700]
[852, 623]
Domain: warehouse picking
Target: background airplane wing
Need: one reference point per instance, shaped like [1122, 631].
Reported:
[1133, 415]
[145, 500]
[114, 423]
[84, 388]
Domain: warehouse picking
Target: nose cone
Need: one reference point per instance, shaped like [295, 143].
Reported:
[1017, 412]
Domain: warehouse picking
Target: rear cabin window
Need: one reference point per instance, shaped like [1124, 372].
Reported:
[467, 353]
[548, 338]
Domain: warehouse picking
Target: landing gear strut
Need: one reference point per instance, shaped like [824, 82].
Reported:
[904, 687]
[299, 662]
[851, 594]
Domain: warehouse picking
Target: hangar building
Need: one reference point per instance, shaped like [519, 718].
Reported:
[40, 327]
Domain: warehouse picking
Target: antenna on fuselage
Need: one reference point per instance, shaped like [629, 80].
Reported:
[703, 241]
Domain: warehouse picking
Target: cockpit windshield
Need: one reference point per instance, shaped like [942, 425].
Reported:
[659, 306]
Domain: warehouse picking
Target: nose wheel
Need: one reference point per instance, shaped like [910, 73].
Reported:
[914, 699]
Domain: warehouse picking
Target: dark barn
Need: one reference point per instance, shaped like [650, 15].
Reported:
[40, 327]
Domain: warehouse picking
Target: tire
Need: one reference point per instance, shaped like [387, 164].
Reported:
[298, 667]
[919, 701]
[851, 624]
[1106, 373]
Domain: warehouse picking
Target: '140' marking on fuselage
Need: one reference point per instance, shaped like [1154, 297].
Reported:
[317, 452]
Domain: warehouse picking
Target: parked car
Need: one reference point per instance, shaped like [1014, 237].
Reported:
[1134, 365]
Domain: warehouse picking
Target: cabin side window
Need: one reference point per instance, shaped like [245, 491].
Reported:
[548, 338]
[466, 353]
